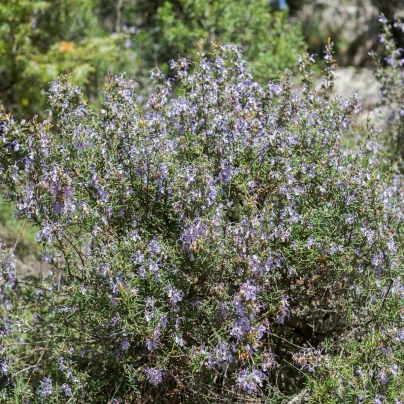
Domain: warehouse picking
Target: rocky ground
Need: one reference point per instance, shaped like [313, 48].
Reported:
[349, 80]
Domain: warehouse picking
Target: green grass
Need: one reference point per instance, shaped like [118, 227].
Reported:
[13, 229]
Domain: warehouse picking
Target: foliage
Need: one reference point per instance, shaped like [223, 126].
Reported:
[39, 40]
[217, 245]
[269, 41]
[11, 228]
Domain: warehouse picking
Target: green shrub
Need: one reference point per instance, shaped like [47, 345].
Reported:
[269, 41]
[39, 40]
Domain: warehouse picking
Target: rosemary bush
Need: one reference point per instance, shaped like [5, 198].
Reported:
[218, 244]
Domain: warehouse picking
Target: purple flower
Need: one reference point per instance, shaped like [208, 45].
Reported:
[3, 367]
[58, 208]
[394, 370]
[149, 310]
[240, 327]
[361, 373]
[163, 321]
[383, 377]
[310, 242]
[350, 218]
[399, 25]
[248, 291]
[391, 245]
[178, 339]
[124, 346]
[293, 139]
[284, 311]
[222, 356]
[382, 19]
[151, 344]
[175, 296]
[275, 89]
[391, 61]
[378, 260]
[379, 399]
[191, 234]
[269, 361]
[226, 173]
[154, 247]
[369, 234]
[62, 364]
[66, 390]
[155, 375]
[250, 380]
[115, 319]
[46, 387]
[345, 124]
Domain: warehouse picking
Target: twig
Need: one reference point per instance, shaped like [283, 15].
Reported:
[39, 360]
[19, 234]
[283, 339]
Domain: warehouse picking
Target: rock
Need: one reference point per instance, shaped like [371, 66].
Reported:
[352, 26]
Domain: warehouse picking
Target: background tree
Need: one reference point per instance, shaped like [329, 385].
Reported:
[39, 40]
